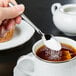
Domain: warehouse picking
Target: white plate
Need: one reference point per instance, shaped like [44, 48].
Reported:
[22, 34]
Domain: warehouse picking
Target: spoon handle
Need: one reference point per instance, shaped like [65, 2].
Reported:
[28, 21]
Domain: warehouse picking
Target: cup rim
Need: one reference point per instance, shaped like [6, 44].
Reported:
[34, 53]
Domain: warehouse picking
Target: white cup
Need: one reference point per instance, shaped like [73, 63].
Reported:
[42, 67]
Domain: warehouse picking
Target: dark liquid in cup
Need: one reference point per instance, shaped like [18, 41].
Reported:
[67, 52]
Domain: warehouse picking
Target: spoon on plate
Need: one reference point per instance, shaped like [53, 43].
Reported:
[48, 40]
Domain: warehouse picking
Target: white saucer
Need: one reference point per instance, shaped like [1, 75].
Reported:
[18, 71]
[22, 34]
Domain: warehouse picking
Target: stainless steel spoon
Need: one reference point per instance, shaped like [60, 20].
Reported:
[49, 40]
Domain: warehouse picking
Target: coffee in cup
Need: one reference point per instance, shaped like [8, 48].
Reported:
[66, 53]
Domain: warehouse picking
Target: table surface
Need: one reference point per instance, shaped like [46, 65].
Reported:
[41, 16]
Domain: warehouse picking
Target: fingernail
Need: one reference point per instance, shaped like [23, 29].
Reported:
[20, 8]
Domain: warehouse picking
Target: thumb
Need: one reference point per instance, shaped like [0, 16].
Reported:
[11, 12]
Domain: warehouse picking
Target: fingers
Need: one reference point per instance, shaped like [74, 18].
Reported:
[2, 31]
[5, 2]
[1, 3]
[18, 20]
[11, 12]
[6, 26]
[10, 24]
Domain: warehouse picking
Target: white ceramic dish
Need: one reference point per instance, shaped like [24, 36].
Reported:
[64, 18]
[19, 72]
[22, 34]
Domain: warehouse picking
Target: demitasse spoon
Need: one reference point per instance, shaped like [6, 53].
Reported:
[48, 40]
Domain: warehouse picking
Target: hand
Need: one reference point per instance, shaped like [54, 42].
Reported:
[9, 16]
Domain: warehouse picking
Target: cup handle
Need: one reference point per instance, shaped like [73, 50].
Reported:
[54, 7]
[29, 58]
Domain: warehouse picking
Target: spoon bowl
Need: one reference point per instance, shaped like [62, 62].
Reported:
[51, 42]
